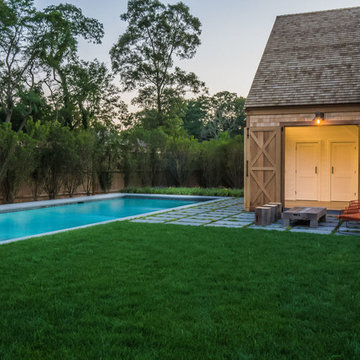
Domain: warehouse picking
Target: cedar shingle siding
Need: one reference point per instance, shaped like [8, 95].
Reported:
[310, 59]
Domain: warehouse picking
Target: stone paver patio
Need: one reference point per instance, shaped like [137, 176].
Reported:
[231, 213]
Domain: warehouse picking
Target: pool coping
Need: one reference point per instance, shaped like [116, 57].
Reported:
[58, 202]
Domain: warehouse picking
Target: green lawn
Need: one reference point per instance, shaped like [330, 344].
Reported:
[145, 291]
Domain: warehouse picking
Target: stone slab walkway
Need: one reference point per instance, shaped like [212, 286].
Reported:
[231, 213]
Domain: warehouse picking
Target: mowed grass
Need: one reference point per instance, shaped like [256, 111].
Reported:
[148, 291]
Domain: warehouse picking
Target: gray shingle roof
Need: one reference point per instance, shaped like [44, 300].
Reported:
[311, 58]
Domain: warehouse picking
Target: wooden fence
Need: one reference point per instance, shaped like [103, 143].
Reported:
[25, 194]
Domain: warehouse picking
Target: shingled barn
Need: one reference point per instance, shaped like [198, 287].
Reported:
[303, 113]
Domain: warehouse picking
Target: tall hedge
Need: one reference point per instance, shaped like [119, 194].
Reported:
[52, 158]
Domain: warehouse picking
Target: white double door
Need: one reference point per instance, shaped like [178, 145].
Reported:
[307, 170]
[344, 172]
[341, 170]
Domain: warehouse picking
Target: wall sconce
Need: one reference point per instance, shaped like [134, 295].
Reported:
[319, 117]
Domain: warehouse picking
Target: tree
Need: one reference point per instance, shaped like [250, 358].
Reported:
[181, 155]
[224, 112]
[39, 133]
[93, 94]
[57, 156]
[89, 158]
[142, 154]
[211, 161]
[234, 164]
[144, 55]
[194, 117]
[108, 154]
[20, 148]
[18, 53]
[59, 29]
[73, 174]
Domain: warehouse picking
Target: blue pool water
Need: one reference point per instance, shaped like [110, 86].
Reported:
[43, 220]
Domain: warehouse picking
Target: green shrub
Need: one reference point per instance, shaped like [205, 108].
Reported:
[181, 157]
[211, 163]
[74, 172]
[87, 149]
[233, 158]
[185, 191]
[57, 156]
[107, 155]
[16, 159]
[142, 156]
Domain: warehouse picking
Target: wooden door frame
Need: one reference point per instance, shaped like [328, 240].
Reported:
[285, 124]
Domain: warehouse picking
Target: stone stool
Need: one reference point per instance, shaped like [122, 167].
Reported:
[263, 215]
[274, 210]
[279, 209]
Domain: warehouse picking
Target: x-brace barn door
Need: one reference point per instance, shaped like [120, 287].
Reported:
[262, 166]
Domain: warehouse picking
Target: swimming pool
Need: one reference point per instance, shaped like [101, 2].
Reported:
[77, 213]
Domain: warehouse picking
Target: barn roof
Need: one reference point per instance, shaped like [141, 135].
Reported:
[310, 59]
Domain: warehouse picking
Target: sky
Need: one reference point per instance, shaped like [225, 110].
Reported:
[234, 35]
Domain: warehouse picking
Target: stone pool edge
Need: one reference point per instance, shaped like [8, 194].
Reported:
[58, 202]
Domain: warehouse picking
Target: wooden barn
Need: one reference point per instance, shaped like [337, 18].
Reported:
[303, 113]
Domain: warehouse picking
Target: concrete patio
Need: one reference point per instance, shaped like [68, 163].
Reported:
[231, 213]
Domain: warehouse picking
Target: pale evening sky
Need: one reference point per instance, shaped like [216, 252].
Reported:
[234, 34]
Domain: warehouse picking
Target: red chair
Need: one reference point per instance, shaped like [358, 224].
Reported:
[354, 204]
[351, 212]
[350, 216]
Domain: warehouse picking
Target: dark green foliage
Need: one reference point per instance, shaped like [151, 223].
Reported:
[142, 156]
[39, 133]
[145, 291]
[73, 174]
[17, 158]
[144, 55]
[59, 95]
[36, 47]
[94, 97]
[41, 78]
[233, 161]
[60, 28]
[185, 191]
[211, 162]
[207, 117]
[225, 112]
[221, 162]
[105, 180]
[180, 157]
[51, 157]
[57, 156]
[88, 152]
[18, 53]
[107, 155]
[147, 156]
[194, 117]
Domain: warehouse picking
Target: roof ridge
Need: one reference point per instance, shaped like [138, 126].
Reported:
[319, 11]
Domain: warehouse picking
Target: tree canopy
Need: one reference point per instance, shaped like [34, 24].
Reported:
[63, 123]
[145, 54]
[61, 26]
[18, 53]
[224, 112]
